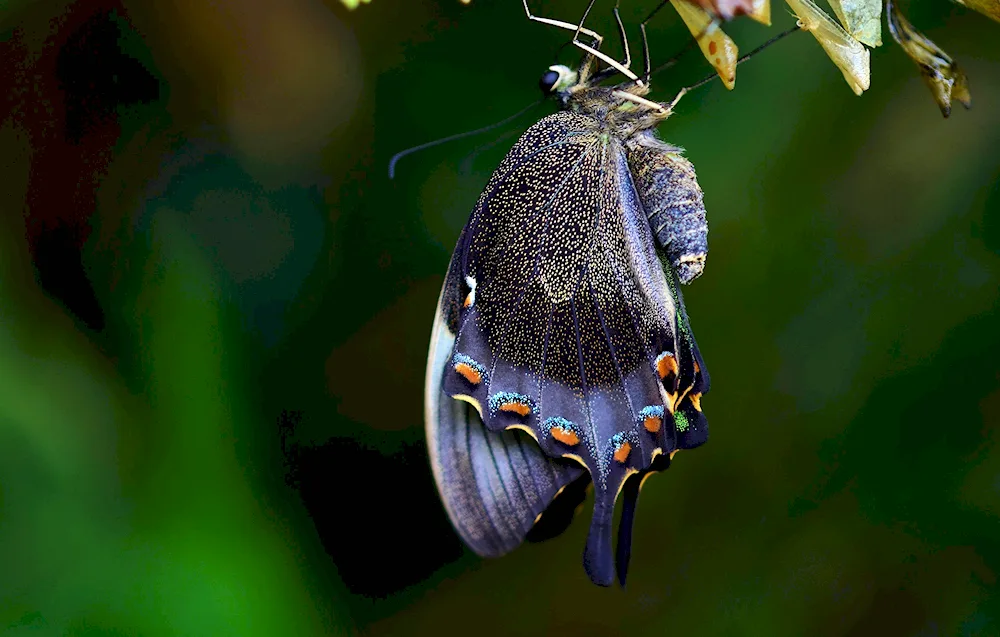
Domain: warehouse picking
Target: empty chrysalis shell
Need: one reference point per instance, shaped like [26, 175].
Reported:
[861, 18]
[717, 47]
[989, 8]
[943, 76]
[850, 56]
[759, 10]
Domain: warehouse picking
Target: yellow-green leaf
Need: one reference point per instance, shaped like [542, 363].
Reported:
[941, 73]
[850, 56]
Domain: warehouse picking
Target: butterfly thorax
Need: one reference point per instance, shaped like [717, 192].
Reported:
[612, 109]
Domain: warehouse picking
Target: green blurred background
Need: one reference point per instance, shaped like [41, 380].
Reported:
[215, 307]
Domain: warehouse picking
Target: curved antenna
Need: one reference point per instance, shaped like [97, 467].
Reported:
[687, 89]
[466, 166]
[436, 142]
[692, 43]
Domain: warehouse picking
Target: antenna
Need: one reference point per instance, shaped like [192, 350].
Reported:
[436, 142]
[688, 89]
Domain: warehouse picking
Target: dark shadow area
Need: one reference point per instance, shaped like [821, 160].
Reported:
[377, 515]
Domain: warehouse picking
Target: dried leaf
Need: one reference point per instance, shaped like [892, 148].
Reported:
[861, 18]
[850, 56]
[717, 47]
[989, 8]
[942, 75]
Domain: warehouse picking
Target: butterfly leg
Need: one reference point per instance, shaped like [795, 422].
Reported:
[621, 67]
[645, 39]
[590, 49]
[622, 35]
[576, 28]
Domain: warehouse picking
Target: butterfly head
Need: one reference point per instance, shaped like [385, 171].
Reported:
[623, 106]
[558, 80]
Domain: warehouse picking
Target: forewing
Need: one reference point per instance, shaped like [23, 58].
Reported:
[567, 326]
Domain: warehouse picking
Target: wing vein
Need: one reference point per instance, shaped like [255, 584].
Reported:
[584, 386]
[475, 478]
[596, 449]
[611, 349]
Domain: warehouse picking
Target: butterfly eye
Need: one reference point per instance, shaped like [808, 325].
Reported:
[548, 81]
[557, 78]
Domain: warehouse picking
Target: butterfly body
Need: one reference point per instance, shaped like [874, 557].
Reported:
[559, 319]
[669, 190]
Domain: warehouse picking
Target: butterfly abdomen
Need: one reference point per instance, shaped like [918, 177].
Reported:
[673, 202]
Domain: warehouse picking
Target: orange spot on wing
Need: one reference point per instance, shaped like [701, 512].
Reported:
[621, 453]
[713, 47]
[697, 367]
[665, 365]
[468, 300]
[565, 436]
[469, 373]
[516, 408]
[652, 423]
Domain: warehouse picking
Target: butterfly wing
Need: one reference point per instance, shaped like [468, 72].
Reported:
[494, 485]
[689, 422]
[565, 323]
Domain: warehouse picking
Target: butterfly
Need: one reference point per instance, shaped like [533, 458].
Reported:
[561, 352]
